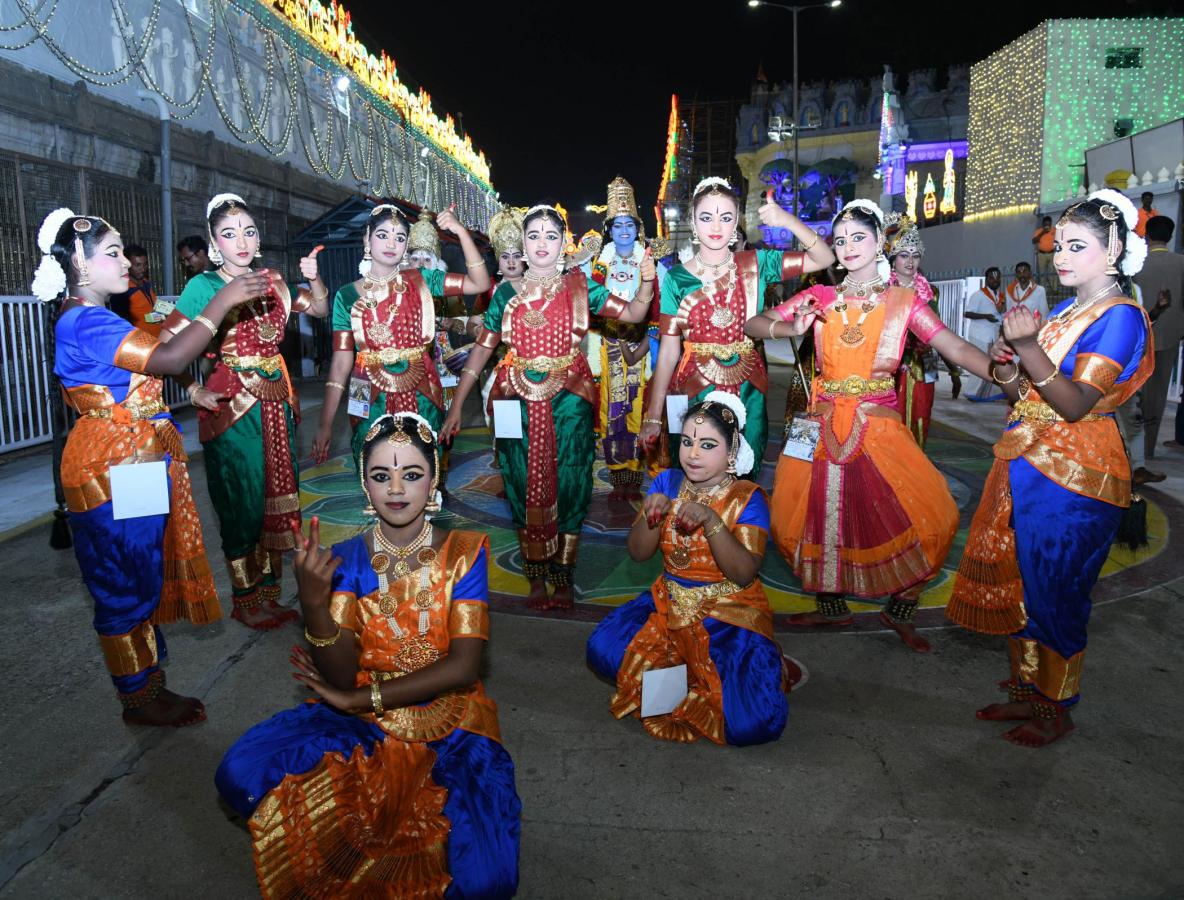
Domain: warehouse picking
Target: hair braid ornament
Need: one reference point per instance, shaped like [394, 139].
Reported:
[49, 281]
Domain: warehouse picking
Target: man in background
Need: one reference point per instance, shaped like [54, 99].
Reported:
[195, 254]
[1146, 213]
[138, 303]
[1024, 291]
[984, 309]
[1161, 282]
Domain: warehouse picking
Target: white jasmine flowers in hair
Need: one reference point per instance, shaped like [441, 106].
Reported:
[51, 226]
[49, 281]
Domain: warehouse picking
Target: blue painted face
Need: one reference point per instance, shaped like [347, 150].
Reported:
[624, 233]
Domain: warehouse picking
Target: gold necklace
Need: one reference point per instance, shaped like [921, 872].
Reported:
[370, 282]
[414, 651]
[384, 549]
[721, 315]
[535, 316]
[729, 263]
[680, 556]
[852, 335]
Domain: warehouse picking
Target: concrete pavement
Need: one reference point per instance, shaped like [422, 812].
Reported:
[883, 785]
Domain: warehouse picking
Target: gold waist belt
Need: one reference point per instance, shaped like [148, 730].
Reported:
[855, 386]
[545, 363]
[689, 605]
[138, 410]
[388, 356]
[721, 351]
[269, 365]
[1039, 411]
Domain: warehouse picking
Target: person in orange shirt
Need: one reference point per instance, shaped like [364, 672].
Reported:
[1146, 211]
[1042, 240]
[141, 296]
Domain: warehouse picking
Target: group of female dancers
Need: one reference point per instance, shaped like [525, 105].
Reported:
[395, 781]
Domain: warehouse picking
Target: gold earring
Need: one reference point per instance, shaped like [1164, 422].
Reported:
[214, 255]
[258, 254]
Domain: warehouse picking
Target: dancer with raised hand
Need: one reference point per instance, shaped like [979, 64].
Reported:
[705, 304]
[385, 322]
[245, 411]
[707, 609]
[1061, 460]
[547, 471]
[867, 514]
[395, 783]
[149, 569]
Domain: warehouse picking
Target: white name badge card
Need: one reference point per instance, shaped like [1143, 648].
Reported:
[139, 489]
[802, 437]
[359, 396]
[676, 411]
[507, 419]
[662, 690]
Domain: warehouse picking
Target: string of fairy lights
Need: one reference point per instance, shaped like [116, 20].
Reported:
[270, 86]
[1039, 103]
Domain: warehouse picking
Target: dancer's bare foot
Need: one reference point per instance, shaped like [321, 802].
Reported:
[1019, 711]
[563, 598]
[1038, 732]
[167, 710]
[537, 598]
[283, 614]
[908, 633]
[260, 617]
[817, 620]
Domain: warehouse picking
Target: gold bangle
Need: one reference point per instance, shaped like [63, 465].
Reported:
[812, 246]
[467, 371]
[716, 529]
[324, 296]
[651, 421]
[206, 322]
[1049, 380]
[376, 698]
[192, 389]
[995, 376]
[322, 642]
[772, 325]
[336, 384]
[475, 265]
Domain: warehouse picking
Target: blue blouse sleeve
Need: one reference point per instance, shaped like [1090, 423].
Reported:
[756, 512]
[667, 482]
[103, 333]
[1120, 334]
[474, 584]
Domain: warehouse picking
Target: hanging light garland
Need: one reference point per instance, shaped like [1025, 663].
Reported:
[279, 88]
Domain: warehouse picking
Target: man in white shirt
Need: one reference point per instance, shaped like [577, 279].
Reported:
[983, 312]
[1024, 291]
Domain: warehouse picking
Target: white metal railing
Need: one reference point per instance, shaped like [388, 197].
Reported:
[951, 301]
[25, 375]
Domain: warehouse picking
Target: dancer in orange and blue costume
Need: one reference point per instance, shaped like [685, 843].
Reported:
[394, 784]
[1061, 459]
[148, 570]
[707, 609]
[867, 515]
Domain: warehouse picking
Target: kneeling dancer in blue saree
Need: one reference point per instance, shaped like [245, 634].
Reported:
[395, 784]
[707, 609]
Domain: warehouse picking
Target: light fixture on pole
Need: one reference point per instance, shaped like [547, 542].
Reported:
[797, 113]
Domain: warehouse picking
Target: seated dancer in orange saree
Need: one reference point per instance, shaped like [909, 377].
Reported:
[246, 418]
[707, 609]
[868, 515]
[1062, 460]
[145, 570]
[548, 471]
[394, 784]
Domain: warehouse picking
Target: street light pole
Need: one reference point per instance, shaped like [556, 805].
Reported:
[797, 112]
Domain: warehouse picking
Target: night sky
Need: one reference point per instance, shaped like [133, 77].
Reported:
[562, 102]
